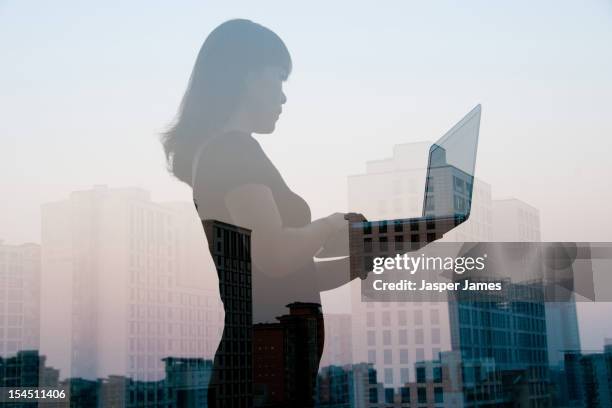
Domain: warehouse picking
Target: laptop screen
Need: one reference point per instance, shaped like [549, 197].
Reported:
[450, 170]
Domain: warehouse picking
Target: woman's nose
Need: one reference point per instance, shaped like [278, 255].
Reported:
[283, 98]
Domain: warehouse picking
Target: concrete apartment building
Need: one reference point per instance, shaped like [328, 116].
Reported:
[123, 285]
[19, 298]
[395, 335]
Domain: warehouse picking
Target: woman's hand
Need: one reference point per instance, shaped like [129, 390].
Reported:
[336, 243]
[341, 220]
[336, 221]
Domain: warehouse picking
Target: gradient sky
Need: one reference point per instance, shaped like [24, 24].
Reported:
[86, 88]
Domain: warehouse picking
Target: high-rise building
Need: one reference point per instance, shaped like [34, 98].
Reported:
[510, 331]
[19, 298]
[338, 350]
[291, 346]
[232, 379]
[349, 386]
[117, 294]
[515, 221]
[393, 336]
[187, 381]
[440, 382]
[589, 379]
[22, 369]
[268, 361]
[562, 331]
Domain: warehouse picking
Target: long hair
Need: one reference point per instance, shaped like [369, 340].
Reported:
[228, 54]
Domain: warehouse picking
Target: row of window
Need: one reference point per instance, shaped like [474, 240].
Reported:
[402, 357]
[505, 355]
[163, 330]
[398, 226]
[383, 242]
[402, 337]
[232, 244]
[404, 395]
[402, 319]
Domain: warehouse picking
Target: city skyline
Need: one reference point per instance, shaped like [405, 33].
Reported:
[401, 374]
[480, 215]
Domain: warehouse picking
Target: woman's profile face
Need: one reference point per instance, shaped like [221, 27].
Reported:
[263, 98]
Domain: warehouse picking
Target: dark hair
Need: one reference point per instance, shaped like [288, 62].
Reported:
[230, 52]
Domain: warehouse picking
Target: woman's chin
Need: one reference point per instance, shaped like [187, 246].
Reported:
[267, 129]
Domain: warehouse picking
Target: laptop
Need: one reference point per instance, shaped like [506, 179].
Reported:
[447, 202]
[453, 155]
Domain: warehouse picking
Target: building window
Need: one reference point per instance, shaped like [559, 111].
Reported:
[398, 226]
[387, 337]
[367, 245]
[459, 204]
[437, 374]
[405, 392]
[371, 338]
[372, 357]
[403, 337]
[458, 184]
[373, 395]
[434, 316]
[418, 317]
[420, 375]
[399, 242]
[371, 376]
[388, 357]
[383, 242]
[389, 395]
[382, 227]
[431, 224]
[367, 228]
[438, 395]
[401, 317]
[404, 375]
[389, 376]
[386, 318]
[435, 336]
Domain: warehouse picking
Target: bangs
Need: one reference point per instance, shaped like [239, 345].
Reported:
[267, 49]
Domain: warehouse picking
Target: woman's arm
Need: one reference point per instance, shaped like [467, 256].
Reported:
[276, 250]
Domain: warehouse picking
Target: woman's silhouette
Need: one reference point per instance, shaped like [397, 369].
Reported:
[235, 90]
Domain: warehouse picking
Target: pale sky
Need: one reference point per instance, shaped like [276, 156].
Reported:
[86, 88]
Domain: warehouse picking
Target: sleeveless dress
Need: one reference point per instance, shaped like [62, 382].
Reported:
[222, 164]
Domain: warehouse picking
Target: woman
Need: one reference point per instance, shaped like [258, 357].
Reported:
[235, 90]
